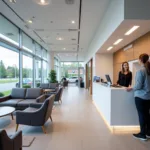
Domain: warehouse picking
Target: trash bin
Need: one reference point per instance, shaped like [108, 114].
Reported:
[82, 84]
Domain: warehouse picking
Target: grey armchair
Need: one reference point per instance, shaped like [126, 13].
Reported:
[10, 143]
[36, 115]
[58, 95]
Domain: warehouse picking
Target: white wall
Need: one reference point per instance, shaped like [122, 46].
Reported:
[112, 19]
[103, 64]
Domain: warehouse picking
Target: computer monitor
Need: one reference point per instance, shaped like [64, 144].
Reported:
[94, 79]
[108, 78]
[98, 79]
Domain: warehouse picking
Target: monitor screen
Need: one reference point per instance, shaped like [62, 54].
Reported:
[94, 79]
[97, 79]
[108, 78]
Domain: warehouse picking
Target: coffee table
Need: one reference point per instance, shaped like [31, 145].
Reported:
[4, 111]
[46, 91]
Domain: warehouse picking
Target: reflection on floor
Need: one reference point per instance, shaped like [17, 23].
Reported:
[76, 126]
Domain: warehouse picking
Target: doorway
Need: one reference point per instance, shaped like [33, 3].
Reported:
[89, 76]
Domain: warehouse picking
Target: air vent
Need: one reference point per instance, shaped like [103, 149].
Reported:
[128, 47]
[73, 30]
[9, 34]
[73, 39]
[69, 2]
[40, 30]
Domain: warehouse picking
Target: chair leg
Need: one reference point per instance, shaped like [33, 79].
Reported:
[51, 118]
[43, 128]
[17, 125]
[12, 116]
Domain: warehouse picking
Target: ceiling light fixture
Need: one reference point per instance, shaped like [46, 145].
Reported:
[118, 41]
[43, 2]
[109, 48]
[73, 22]
[132, 30]
[64, 48]
[59, 38]
[12, 1]
[30, 21]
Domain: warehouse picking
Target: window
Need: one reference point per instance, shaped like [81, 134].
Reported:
[8, 31]
[9, 59]
[27, 43]
[38, 72]
[9, 70]
[45, 54]
[56, 67]
[27, 72]
[38, 50]
[45, 76]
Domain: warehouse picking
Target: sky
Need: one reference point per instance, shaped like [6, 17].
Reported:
[11, 58]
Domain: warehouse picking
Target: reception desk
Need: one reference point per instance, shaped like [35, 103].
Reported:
[116, 106]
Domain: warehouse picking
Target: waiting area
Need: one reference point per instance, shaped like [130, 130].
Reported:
[74, 75]
[76, 125]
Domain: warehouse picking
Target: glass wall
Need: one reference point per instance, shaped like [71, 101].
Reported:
[45, 73]
[57, 68]
[27, 43]
[22, 52]
[27, 71]
[38, 50]
[38, 72]
[9, 70]
[72, 69]
[8, 31]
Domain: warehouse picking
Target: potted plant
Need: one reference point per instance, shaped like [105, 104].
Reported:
[52, 77]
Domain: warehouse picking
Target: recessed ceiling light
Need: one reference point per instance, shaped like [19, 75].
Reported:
[132, 30]
[73, 22]
[118, 41]
[64, 48]
[109, 48]
[59, 38]
[43, 2]
[30, 21]
[12, 1]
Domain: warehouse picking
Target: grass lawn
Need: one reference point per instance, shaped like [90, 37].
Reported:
[6, 92]
[8, 81]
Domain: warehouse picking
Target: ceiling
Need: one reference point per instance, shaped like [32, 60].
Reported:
[53, 21]
[119, 33]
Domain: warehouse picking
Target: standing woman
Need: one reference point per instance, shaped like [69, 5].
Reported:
[125, 76]
[142, 96]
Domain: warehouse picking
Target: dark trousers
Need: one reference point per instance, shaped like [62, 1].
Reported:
[143, 109]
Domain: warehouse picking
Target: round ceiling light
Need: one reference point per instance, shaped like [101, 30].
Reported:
[59, 38]
[43, 2]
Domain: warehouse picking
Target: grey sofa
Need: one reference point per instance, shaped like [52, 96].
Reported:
[53, 86]
[21, 98]
[36, 115]
[10, 143]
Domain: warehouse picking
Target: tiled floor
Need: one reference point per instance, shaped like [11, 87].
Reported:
[76, 126]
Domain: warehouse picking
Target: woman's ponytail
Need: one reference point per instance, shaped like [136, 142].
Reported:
[145, 60]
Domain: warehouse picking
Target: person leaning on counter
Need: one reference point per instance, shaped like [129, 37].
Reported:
[125, 76]
[142, 97]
